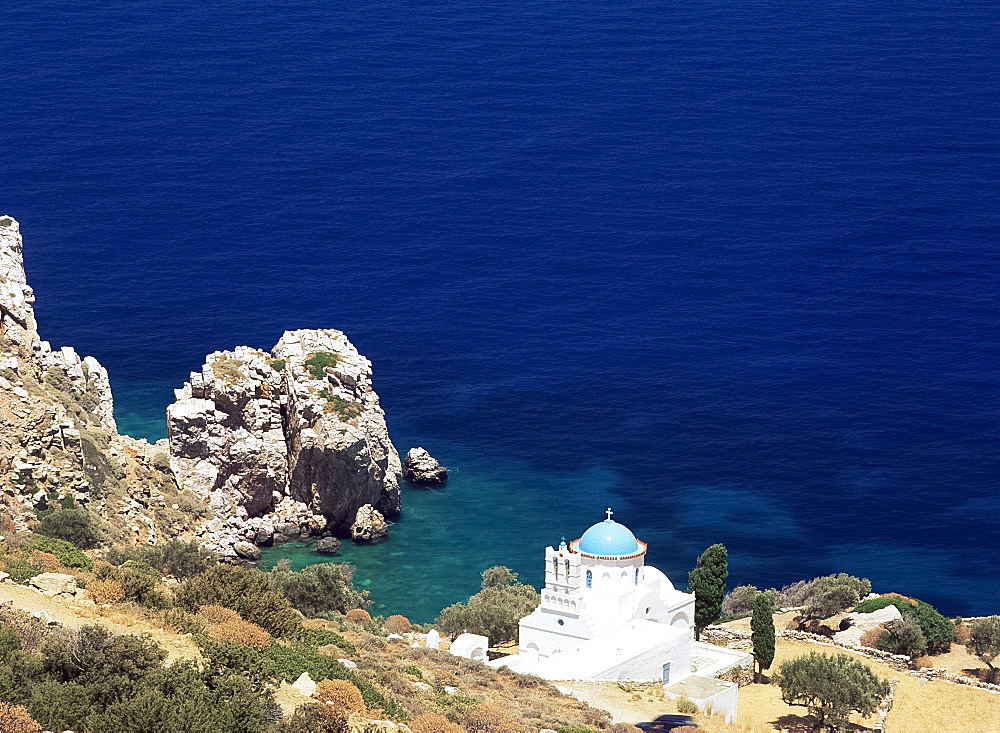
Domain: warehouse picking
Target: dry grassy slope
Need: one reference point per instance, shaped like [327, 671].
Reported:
[52, 441]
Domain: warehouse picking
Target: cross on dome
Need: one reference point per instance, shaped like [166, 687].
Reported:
[609, 513]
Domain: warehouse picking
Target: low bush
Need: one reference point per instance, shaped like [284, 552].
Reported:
[68, 554]
[877, 604]
[105, 591]
[341, 694]
[687, 706]
[20, 568]
[314, 718]
[323, 637]
[433, 723]
[138, 582]
[870, 638]
[316, 363]
[358, 616]
[938, 632]
[177, 558]
[321, 588]
[73, 525]
[247, 591]
[488, 719]
[48, 562]
[397, 624]
[903, 636]
[17, 719]
[287, 662]
[739, 601]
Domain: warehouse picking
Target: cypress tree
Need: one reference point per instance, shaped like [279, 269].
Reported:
[708, 583]
[762, 633]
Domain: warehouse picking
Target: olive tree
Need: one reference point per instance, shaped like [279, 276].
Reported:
[984, 641]
[831, 687]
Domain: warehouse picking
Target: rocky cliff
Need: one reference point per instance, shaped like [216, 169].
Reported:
[58, 437]
[262, 446]
[295, 436]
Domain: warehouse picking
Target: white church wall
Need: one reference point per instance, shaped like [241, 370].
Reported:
[648, 665]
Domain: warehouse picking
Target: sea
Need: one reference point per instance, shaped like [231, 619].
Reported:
[727, 267]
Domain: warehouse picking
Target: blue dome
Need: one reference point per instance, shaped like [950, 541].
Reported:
[608, 539]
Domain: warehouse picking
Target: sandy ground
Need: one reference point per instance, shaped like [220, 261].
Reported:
[178, 647]
[920, 706]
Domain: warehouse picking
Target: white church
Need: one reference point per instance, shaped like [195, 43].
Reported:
[607, 616]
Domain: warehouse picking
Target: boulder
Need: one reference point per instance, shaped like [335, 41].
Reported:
[421, 468]
[305, 685]
[369, 524]
[247, 550]
[866, 621]
[854, 625]
[328, 545]
[54, 584]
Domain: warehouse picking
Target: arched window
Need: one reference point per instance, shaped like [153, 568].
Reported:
[555, 567]
[567, 571]
[590, 579]
[637, 576]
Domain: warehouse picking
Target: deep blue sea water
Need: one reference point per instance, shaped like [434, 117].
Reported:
[728, 266]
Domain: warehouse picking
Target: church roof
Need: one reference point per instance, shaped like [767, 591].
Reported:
[608, 539]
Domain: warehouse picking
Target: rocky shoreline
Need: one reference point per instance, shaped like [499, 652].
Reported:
[262, 447]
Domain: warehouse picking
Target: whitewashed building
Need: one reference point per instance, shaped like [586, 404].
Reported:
[606, 615]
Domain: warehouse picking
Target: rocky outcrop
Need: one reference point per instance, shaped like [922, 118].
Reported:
[328, 545]
[422, 468]
[85, 377]
[296, 436]
[17, 316]
[263, 446]
[369, 524]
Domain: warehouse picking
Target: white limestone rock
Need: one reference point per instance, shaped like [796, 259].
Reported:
[369, 524]
[54, 584]
[305, 685]
[266, 435]
[422, 468]
[858, 623]
[17, 315]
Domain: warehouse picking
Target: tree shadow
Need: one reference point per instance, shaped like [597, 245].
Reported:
[791, 723]
[982, 674]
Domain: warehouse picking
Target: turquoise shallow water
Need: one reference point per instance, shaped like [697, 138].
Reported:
[489, 513]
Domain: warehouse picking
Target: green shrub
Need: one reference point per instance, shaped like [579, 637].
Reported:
[317, 362]
[247, 591]
[938, 632]
[321, 588]
[20, 568]
[161, 461]
[73, 525]
[493, 612]
[60, 705]
[322, 637]
[903, 636]
[138, 581]
[277, 365]
[69, 556]
[826, 595]
[287, 662]
[686, 706]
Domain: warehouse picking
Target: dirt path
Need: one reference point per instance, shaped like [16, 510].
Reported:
[72, 616]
